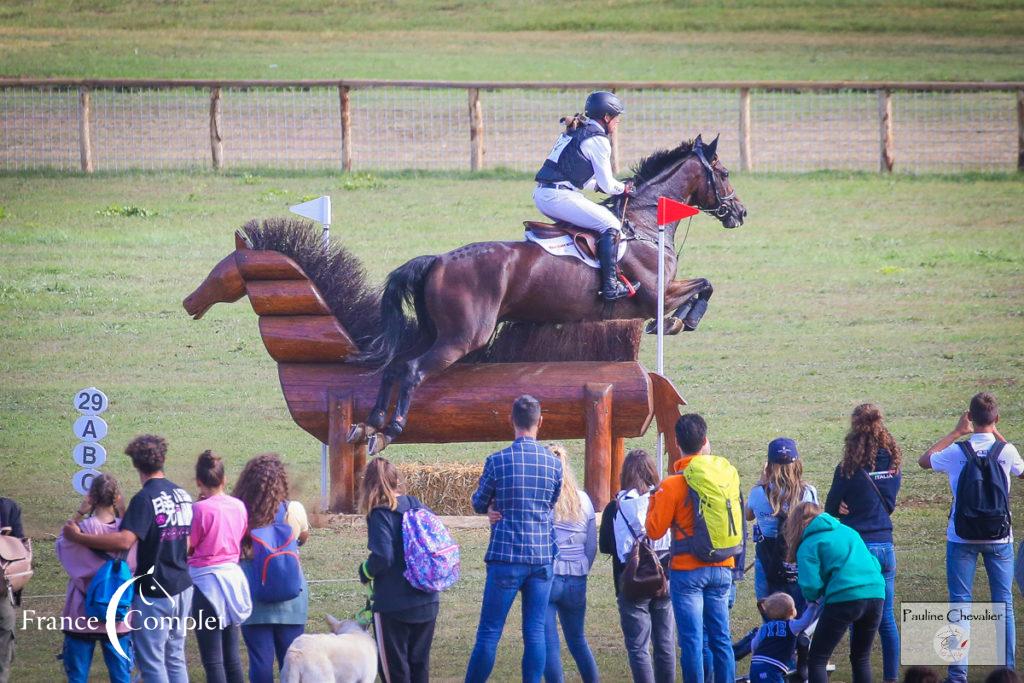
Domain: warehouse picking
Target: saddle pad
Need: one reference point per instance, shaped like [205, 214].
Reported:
[565, 246]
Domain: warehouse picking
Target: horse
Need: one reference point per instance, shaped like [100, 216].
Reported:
[459, 298]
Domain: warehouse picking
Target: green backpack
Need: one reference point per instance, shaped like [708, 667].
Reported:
[719, 529]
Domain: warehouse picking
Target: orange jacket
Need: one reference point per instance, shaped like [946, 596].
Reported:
[670, 508]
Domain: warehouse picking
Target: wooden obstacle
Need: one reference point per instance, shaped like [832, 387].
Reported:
[601, 402]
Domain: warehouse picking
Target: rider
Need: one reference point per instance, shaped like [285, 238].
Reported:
[581, 160]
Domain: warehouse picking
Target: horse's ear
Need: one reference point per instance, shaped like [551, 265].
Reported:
[698, 143]
[241, 241]
[712, 149]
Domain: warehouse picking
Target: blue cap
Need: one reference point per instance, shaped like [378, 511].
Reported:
[782, 451]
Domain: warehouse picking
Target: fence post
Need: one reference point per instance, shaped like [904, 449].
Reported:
[476, 130]
[1020, 130]
[216, 141]
[85, 129]
[346, 128]
[745, 162]
[885, 157]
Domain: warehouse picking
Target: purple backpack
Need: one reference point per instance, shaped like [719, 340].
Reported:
[432, 560]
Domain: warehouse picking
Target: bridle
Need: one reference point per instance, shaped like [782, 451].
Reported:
[722, 209]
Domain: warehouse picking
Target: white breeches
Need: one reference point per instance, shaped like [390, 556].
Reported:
[573, 207]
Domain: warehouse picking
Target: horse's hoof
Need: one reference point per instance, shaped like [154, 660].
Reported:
[673, 325]
[358, 433]
[377, 443]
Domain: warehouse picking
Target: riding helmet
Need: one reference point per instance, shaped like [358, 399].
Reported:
[602, 103]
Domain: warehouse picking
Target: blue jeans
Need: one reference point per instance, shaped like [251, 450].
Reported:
[504, 581]
[700, 600]
[961, 561]
[887, 631]
[568, 601]
[78, 653]
[264, 642]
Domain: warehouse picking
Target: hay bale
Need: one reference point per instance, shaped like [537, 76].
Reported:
[445, 487]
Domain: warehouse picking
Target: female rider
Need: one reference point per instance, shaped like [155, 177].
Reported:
[581, 159]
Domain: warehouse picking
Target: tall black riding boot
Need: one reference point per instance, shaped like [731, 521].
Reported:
[611, 288]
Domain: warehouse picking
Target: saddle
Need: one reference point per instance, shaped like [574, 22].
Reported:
[585, 240]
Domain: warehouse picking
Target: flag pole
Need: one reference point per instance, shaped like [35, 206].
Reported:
[661, 334]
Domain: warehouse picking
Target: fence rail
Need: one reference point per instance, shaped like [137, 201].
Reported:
[379, 124]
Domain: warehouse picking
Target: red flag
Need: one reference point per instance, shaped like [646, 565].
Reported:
[670, 211]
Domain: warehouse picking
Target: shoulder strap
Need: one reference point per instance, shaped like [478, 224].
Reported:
[619, 511]
[967, 448]
[996, 449]
[282, 512]
[889, 507]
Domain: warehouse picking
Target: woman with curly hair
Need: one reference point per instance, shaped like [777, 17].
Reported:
[270, 629]
[863, 496]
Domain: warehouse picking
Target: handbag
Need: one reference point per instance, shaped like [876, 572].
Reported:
[643, 576]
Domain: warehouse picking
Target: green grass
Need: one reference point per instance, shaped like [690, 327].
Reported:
[841, 288]
[439, 39]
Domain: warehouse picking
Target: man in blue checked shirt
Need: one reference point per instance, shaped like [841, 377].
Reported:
[519, 487]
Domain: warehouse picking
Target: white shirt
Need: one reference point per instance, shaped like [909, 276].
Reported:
[599, 150]
[951, 460]
[633, 508]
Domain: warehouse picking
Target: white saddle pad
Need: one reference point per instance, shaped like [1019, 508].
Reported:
[565, 246]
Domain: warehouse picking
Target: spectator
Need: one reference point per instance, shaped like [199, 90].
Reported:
[646, 621]
[406, 615]
[950, 457]
[219, 523]
[270, 629]
[522, 482]
[863, 496]
[700, 590]
[780, 489]
[10, 523]
[159, 518]
[98, 513]
[774, 646]
[920, 674]
[835, 566]
[1002, 675]
[576, 537]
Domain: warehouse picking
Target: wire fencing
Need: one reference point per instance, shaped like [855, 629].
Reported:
[383, 125]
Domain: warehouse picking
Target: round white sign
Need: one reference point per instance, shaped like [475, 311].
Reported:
[90, 428]
[91, 401]
[89, 455]
[83, 480]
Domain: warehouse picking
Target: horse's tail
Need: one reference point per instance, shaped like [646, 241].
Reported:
[404, 287]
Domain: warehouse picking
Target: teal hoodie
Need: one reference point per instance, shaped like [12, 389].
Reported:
[833, 561]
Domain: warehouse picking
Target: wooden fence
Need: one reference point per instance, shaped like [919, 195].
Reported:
[477, 93]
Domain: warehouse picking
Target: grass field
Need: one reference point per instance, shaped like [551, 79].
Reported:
[839, 289]
[573, 40]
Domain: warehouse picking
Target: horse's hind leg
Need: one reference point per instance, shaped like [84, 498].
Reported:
[378, 416]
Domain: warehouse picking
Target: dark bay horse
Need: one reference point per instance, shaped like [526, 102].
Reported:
[460, 297]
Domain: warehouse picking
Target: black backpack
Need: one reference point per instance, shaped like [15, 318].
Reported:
[771, 553]
[982, 509]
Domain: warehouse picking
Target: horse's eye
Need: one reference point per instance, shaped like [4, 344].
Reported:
[725, 174]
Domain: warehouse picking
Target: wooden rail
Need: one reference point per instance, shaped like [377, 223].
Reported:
[884, 90]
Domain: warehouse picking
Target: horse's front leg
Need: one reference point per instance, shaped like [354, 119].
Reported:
[687, 299]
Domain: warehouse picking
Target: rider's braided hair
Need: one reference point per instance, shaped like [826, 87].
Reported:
[573, 122]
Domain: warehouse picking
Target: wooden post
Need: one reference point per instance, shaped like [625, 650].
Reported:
[345, 459]
[85, 129]
[1020, 130]
[745, 156]
[476, 130]
[885, 156]
[346, 128]
[597, 407]
[618, 455]
[216, 141]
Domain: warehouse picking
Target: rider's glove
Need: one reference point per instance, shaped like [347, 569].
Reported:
[630, 189]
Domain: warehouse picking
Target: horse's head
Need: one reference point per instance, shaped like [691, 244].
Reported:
[714, 194]
[224, 285]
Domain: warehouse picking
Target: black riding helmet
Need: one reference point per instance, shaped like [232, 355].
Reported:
[603, 103]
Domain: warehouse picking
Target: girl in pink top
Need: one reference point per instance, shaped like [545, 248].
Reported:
[99, 513]
[221, 600]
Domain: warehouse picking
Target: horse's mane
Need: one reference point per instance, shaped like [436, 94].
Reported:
[336, 272]
[650, 167]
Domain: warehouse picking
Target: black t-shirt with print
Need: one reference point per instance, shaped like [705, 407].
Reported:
[161, 516]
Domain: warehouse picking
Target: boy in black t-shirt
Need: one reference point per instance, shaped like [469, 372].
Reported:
[159, 519]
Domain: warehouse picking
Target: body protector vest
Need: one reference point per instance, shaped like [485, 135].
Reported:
[566, 162]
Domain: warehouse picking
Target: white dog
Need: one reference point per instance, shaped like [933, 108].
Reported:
[347, 656]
